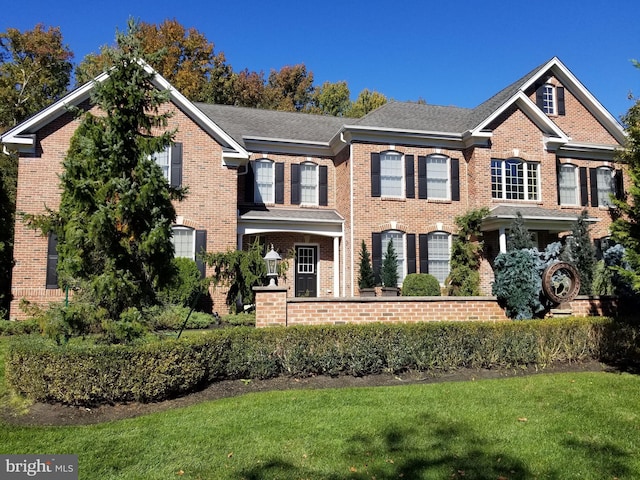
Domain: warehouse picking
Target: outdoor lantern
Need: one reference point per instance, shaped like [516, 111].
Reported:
[272, 259]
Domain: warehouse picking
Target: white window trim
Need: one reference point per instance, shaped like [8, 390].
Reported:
[316, 201]
[167, 150]
[403, 182]
[403, 236]
[193, 238]
[554, 100]
[577, 184]
[525, 180]
[448, 171]
[256, 188]
[449, 243]
[612, 191]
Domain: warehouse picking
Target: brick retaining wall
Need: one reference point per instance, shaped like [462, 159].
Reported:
[274, 308]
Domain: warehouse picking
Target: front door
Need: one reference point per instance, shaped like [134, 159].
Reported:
[306, 271]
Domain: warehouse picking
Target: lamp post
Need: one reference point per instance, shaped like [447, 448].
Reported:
[272, 259]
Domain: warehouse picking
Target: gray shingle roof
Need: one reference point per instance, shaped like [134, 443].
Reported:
[242, 122]
[288, 214]
[530, 212]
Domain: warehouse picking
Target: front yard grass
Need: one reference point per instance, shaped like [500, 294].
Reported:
[582, 425]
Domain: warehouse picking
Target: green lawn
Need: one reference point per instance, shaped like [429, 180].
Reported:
[556, 426]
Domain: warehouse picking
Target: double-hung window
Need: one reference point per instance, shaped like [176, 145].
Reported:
[163, 159]
[264, 181]
[514, 179]
[309, 184]
[170, 162]
[391, 174]
[438, 182]
[397, 238]
[439, 254]
[606, 186]
[184, 242]
[568, 184]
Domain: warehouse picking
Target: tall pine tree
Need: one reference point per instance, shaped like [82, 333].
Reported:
[115, 217]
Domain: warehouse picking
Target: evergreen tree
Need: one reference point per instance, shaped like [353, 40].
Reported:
[366, 277]
[390, 267]
[581, 253]
[115, 216]
[519, 235]
[626, 229]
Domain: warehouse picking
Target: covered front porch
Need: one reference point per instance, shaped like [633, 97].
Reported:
[309, 239]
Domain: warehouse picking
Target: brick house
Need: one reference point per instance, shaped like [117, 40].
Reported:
[319, 185]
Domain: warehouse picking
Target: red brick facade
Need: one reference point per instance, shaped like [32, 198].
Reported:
[585, 135]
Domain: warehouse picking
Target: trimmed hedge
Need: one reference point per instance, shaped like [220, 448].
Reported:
[87, 374]
[12, 327]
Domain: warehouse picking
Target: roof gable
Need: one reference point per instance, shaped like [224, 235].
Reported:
[22, 136]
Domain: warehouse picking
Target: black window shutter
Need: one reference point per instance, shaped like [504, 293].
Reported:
[422, 177]
[619, 184]
[593, 183]
[410, 181]
[52, 261]
[558, 167]
[455, 179]
[279, 182]
[424, 252]
[324, 186]
[375, 175]
[201, 247]
[249, 184]
[411, 253]
[176, 165]
[584, 187]
[295, 184]
[376, 255]
[560, 100]
[540, 97]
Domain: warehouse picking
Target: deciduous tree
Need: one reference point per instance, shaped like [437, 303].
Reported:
[331, 99]
[366, 102]
[35, 70]
[289, 89]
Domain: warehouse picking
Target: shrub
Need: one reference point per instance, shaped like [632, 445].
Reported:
[186, 286]
[420, 285]
[83, 373]
[8, 327]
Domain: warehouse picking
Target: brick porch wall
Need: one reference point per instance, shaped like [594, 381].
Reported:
[274, 308]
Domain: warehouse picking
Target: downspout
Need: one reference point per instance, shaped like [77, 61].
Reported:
[351, 214]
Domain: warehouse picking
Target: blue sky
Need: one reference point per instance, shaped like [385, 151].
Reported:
[445, 52]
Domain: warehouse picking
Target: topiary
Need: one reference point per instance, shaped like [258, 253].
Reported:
[389, 272]
[420, 285]
[366, 278]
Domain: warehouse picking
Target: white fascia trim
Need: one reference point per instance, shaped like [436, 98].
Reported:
[18, 134]
[568, 79]
[288, 146]
[196, 114]
[531, 110]
[589, 151]
[383, 135]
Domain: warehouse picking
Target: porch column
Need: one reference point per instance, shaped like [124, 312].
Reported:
[336, 266]
[503, 239]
